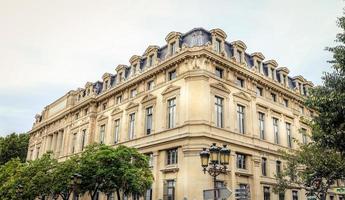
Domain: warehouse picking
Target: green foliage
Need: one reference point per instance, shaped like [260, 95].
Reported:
[329, 99]
[312, 167]
[61, 177]
[13, 146]
[108, 169]
[9, 175]
[103, 169]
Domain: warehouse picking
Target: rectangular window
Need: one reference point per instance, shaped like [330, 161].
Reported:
[104, 106]
[240, 82]
[259, 91]
[294, 195]
[150, 85]
[172, 75]
[133, 93]
[219, 72]
[301, 110]
[171, 112]
[278, 167]
[282, 196]
[172, 48]
[267, 194]
[288, 133]
[106, 85]
[120, 77]
[264, 166]
[276, 130]
[240, 118]
[304, 136]
[286, 103]
[150, 60]
[262, 125]
[258, 63]
[134, 69]
[241, 161]
[239, 56]
[217, 46]
[274, 97]
[131, 126]
[169, 190]
[83, 139]
[148, 123]
[101, 134]
[118, 99]
[74, 142]
[219, 111]
[148, 194]
[116, 131]
[172, 156]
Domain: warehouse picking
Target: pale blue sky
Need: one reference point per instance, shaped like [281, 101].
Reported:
[49, 47]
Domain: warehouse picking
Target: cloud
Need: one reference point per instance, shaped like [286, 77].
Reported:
[50, 47]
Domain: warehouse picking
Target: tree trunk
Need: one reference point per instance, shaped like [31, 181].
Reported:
[118, 194]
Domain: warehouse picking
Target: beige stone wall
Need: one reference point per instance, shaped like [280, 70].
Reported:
[194, 88]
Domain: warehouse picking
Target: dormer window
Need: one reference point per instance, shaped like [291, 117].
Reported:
[120, 76]
[217, 45]
[150, 60]
[239, 56]
[106, 85]
[133, 93]
[172, 75]
[134, 69]
[258, 63]
[219, 72]
[88, 92]
[172, 48]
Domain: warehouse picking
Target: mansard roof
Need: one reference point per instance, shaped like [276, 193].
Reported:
[197, 37]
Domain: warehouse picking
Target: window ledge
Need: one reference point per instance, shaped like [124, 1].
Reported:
[170, 168]
[243, 172]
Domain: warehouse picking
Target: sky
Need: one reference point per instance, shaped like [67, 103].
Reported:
[49, 47]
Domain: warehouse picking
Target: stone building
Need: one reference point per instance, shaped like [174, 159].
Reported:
[172, 101]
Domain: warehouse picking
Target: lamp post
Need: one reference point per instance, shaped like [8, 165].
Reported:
[214, 161]
[75, 180]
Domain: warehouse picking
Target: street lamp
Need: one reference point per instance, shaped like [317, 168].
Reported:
[214, 161]
[75, 180]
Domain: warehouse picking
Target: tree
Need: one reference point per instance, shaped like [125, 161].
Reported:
[329, 99]
[61, 177]
[36, 177]
[9, 176]
[312, 167]
[108, 169]
[13, 146]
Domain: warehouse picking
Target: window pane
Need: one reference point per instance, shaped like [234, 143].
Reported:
[171, 112]
[219, 111]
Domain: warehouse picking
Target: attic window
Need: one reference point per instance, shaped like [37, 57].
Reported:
[217, 46]
[106, 84]
[172, 48]
[259, 65]
[150, 60]
[239, 56]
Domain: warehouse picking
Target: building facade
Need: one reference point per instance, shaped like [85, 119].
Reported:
[172, 101]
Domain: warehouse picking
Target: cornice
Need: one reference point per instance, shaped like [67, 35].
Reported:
[187, 53]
